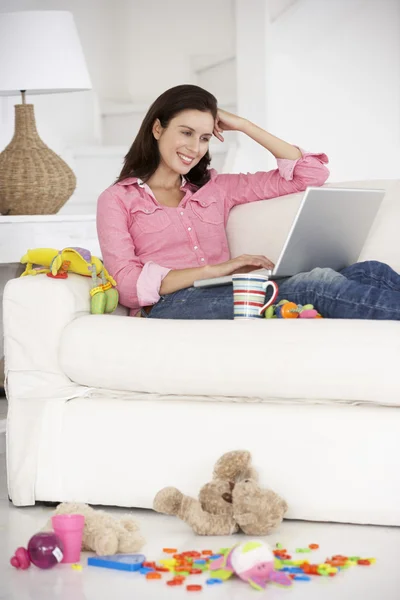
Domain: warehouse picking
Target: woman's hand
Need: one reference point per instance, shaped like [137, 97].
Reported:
[227, 121]
[242, 264]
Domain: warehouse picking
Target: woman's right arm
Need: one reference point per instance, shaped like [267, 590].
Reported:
[183, 278]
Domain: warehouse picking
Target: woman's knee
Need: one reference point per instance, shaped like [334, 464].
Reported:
[305, 288]
[373, 266]
[318, 275]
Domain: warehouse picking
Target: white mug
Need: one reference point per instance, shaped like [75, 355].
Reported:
[249, 291]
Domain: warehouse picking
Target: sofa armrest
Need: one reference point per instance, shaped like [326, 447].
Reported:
[36, 310]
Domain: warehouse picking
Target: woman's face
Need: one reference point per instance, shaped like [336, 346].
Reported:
[184, 142]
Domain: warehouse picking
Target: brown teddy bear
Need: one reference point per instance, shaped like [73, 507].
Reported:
[103, 533]
[233, 500]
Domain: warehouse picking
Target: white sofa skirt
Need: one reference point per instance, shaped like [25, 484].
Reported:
[330, 462]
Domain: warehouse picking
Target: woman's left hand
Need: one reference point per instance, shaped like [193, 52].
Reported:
[227, 121]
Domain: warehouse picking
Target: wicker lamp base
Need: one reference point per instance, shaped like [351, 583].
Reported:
[34, 180]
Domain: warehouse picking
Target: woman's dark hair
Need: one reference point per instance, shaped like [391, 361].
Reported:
[143, 157]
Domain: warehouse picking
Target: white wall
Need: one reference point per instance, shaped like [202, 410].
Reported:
[166, 38]
[334, 83]
[251, 68]
[321, 74]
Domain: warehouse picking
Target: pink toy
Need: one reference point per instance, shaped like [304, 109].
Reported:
[253, 562]
[69, 528]
[45, 550]
[309, 314]
[21, 559]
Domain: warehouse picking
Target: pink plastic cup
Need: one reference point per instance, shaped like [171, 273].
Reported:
[69, 529]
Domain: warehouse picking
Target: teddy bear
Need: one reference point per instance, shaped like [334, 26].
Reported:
[232, 500]
[103, 533]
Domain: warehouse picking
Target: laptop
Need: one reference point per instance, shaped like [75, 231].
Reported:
[329, 230]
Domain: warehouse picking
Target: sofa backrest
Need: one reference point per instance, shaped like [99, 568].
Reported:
[262, 227]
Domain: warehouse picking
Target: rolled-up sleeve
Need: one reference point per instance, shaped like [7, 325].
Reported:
[138, 284]
[149, 283]
[291, 176]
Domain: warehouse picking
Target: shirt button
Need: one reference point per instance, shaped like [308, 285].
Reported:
[195, 247]
[202, 259]
[181, 212]
[189, 229]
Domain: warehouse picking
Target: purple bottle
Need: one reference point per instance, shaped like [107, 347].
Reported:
[45, 550]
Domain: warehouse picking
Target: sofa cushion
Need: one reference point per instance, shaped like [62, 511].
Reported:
[321, 360]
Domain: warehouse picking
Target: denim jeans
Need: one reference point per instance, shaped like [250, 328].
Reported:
[367, 290]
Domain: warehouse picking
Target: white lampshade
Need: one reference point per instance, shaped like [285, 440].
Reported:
[41, 53]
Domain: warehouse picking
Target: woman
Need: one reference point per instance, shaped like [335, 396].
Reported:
[161, 226]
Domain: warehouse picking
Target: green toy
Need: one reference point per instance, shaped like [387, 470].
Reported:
[104, 297]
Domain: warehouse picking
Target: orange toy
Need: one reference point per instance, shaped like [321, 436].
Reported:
[289, 310]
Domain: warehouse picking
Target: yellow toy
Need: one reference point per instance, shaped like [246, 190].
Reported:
[57, 264]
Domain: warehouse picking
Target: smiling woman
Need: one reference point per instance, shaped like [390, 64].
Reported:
[161, 226]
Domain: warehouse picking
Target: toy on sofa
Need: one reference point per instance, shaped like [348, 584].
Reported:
[232, 500]
[289, 310]
[57, 264]
[251, 561]
[103, 533]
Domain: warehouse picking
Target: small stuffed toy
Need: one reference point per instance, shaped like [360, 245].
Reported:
[251, 561]
[103, 533]
[233, 500]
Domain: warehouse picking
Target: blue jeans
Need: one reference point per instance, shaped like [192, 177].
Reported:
[368, 290]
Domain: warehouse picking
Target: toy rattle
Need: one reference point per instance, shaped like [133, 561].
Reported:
[45, 550]
[57, 264]
[289, 310]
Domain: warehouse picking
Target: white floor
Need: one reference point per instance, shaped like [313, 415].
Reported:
[381, 580]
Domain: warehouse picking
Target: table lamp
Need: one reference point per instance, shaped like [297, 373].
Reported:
[40, 54]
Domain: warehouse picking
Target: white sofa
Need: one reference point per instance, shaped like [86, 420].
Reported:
[109, 409]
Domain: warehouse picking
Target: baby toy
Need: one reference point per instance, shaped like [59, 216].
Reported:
[103, 533]
[57, 264]
[251, 561]
[45, 550]
[289, 310]
[233, 500]
[121, 562]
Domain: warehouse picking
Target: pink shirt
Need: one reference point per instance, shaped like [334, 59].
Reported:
[142, 240]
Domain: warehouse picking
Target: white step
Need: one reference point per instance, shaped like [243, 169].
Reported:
[96, 168]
